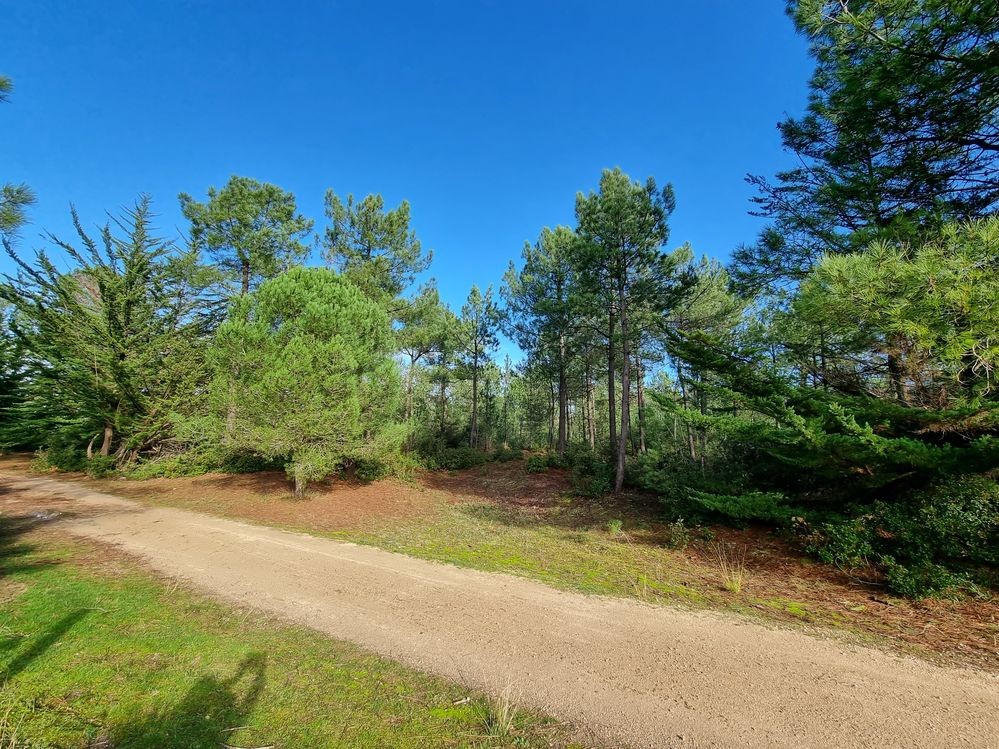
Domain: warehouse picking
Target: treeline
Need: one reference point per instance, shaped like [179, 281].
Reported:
[837, 378]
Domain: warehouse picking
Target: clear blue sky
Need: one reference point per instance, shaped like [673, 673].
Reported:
[486, 116]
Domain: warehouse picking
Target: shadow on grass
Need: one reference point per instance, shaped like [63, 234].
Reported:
[14, 551]
[204, 718]
[573, 514]
[40, 644]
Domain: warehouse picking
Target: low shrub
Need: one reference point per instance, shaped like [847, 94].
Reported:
[932, 542]
[769, 507]
[677, 534]
[591, 476]
[506, 454]
[536, 464]
[170, 467]
[846, 544]
[455, 458]
[926, 580]
[62, 456]
[100, 466]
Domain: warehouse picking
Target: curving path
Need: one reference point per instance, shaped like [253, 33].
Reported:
[626, 673]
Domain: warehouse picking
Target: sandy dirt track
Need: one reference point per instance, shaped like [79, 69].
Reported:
[625, 673]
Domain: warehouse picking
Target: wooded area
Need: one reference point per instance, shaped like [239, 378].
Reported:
[837, 378]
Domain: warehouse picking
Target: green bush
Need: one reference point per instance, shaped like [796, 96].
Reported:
[241, 461]
[925, 580]
[591, 476]
[554, 460]
[169, 467]
[100, 466]
[456, 458]
[678, 535]
[770, 507]
[932, 542]
[199, 461]
[956, 520]
[505, 455]
[371, 470]
[536, 464]
[845, 544]
[62, 455]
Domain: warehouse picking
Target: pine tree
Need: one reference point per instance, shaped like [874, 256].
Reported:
[303, 372]
[539, 309]
[252, 230]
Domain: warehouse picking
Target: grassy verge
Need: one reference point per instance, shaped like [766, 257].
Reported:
[558, 551]
[740, 571]
[96, 653]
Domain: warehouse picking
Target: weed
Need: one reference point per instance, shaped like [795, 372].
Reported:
[498, 714]
[10, 729]
[615, 527]
[677, 535]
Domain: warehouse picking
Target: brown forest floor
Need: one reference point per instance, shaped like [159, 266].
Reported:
[498, 517]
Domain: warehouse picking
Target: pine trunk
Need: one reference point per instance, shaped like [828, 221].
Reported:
[625, 391]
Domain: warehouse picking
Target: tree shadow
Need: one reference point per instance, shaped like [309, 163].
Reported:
[205, 717]
[575, 514]
[42, 643]
[14, 551]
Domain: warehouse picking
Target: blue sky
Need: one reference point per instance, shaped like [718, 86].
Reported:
[487, 116]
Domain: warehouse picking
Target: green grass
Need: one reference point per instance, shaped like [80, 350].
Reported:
[557, 550]
[99, 654]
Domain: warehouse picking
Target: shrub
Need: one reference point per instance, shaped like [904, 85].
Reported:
[845, 544]
[678, 535]
[771, 507]
[506, 454]
[931, 542]
[100, 466]
[173, 466]
[615, 527]
[955, 520]
[555, 460]
[925, 580]
[591, 477]
[235, 461]
[61, 454]
[457, 458]
[536, 464]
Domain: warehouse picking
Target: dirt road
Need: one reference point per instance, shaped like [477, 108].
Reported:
[626, 673]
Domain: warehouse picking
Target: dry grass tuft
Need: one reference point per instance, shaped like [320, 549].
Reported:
[732, 565]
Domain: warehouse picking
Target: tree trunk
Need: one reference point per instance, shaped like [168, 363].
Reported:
[108, 436]
[591, 410]
[611, 405]
[895, 373]
[443, 406]
[506, 405]
[300, 483]
[625, 390]
[551, 414]
[246, 277]
[409, 390]
[90, 446]
[690, 432]
[639, 381]
[563, 398]
[473, 435]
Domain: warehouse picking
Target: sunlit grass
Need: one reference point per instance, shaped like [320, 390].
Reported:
[103, 655]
